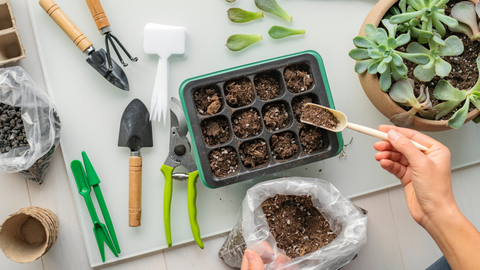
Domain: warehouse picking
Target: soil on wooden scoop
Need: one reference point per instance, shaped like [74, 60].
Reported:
[208, 100]
[298, 79]
[319, 116]
[267, 86]
[283, 145]
[223, 161]
[311, 138]
[254, 153]
[298, 104]
[215, 131]
[297, 226]
[239, 93]
[246, 123]
[275, 116]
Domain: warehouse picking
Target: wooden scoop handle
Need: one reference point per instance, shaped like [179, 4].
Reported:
[54, 11]
[98, 14]
[135, 192]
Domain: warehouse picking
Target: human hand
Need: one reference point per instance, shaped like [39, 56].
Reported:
[253, 261]
[425, 176]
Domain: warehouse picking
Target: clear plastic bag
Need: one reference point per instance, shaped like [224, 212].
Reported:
[348, 223]
[42, 125]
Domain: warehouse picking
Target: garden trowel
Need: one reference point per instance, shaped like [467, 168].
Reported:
[135, 133]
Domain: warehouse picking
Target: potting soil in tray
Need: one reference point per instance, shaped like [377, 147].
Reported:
[245, 121]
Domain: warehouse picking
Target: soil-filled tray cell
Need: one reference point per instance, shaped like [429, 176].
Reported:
[284, 145]
[239, 92]
[254, 154]
[247, 123]
[267, 85]
[299, 102]
[298, 78]
[313, 139]
[216, 130]
[276, 116]
[223, 161]
[208, 100]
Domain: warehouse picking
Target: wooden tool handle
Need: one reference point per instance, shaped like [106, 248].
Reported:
[135, 192]
[54, 11]
[98, 14]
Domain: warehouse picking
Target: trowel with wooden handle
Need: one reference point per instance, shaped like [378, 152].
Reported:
[135, 133]
[163, 40]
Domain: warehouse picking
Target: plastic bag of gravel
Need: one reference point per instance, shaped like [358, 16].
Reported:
[29, 126]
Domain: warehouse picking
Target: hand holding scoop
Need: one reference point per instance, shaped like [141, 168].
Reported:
[318, 115]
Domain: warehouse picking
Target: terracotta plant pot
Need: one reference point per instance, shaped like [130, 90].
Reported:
[382, 100]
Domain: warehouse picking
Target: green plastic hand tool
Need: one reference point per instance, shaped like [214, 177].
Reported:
[94, 181]
[99, 229]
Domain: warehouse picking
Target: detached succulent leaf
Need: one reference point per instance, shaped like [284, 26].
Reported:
[278, 32]
[240, 41]
[238, 15]
[272, 6]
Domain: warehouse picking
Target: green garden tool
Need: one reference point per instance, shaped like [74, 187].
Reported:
[99, 229]
[179, 154]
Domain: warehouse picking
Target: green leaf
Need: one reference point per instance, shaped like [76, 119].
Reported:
[239, 15]
[437, 41]
[445, 91]
[388, 59]
[361, 66]
[375, 54]
[417, 58]
[454, 47]
[445, 108]
[402, 69]
[442, 67]
[370, 30]
[364, 42]
[405, 17]
[385, 79]
[381, 36]
[241, 41]
[403, 5]
[476, 120]
[397, 76]
[439, 26]
[423, 74]
[278, 32]
[392, 28]
[402, 40]
[397, 60]
[458, 119]
[372, 69]
[475, 99]
[464, 12]
[272, 6]
[416, 4]
[422, 33]
[359, 54]
[446, 19]
[391, 42]
[416, 47]
[462, 28]
[402, 92]
[382, 67]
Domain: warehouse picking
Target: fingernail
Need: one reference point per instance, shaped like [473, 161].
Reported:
[250, 257]
[393, 135]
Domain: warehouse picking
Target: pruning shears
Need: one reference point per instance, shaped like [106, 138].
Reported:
[180, 154]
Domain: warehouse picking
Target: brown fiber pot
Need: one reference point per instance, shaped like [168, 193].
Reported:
[382, 100]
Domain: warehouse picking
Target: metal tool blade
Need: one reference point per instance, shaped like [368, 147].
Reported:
[177, 116]
[98, 60]
[135, 127]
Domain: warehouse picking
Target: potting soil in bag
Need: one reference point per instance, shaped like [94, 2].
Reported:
[346, 221]
[29, 126]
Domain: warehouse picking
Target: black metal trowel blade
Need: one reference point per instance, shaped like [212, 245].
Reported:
[98, 60]
[135, 127]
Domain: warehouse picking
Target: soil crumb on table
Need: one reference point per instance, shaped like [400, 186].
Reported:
[283, 145]
[298, 79]
[275, 116]
[267, 86]
[319, 116]
[239, 93]
[223, 161]
[298, 105]
[297, 226]
[215, 131]
[208, 100]
[12, 130]
[246, 123]
[254, 153]
[311, 138]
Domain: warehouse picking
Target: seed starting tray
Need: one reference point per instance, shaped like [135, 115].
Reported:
[319, 91]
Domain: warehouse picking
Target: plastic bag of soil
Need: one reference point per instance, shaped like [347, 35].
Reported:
[29, 126]
[253, 232]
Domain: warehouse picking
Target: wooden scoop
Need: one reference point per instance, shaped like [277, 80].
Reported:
[343, 123]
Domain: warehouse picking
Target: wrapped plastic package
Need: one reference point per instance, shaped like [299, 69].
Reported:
[346, 221]
[39, 119]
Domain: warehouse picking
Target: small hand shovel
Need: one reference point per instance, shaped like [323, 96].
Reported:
[163, 40]
[343, 123]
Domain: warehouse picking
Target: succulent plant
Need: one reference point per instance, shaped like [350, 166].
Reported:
[402, 93]
[376, 53]
[431, 13]
[272, 6]
[411, 26]
[453, 47]
[238, 15]
[278, 32]
[241, 41]
[466, 15]
[454, 97]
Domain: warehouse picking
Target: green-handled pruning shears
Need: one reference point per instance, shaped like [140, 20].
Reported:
[179, 154]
